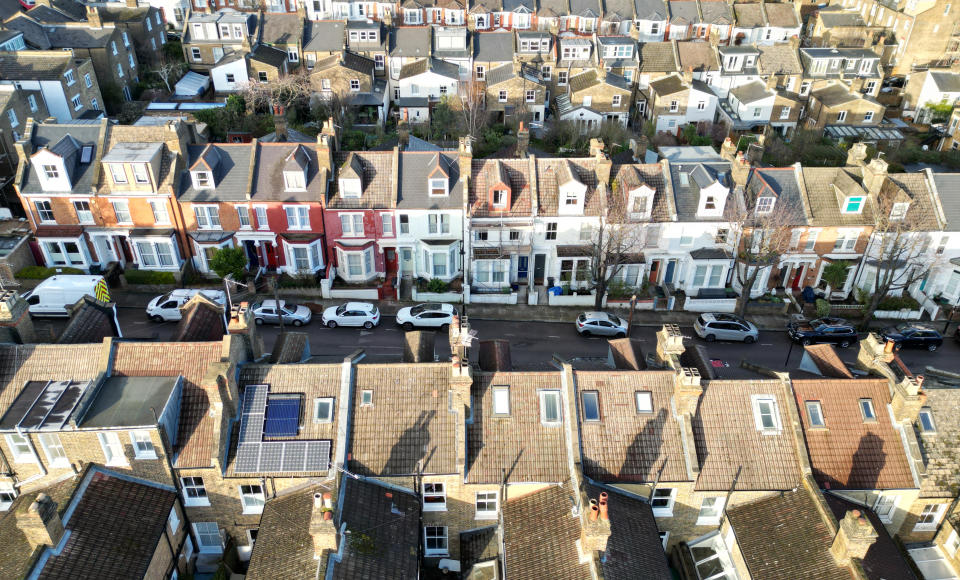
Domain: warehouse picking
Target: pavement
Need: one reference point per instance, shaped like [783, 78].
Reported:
[533, 341]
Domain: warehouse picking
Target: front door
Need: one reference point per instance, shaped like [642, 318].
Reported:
[797, 278]
[270, 250]
[252, 255]
[671, 267]
[390, 261]
[539, 265]
[105, 251]
[654, 272]
[406, 261]
[522, 264]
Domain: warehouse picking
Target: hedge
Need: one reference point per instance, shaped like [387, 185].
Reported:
[41, 273]
[149, 277]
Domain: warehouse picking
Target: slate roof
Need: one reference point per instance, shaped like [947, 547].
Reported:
[231, 176]
[90, 322]
[519, 444]
[480, 545]
[585, 8]
[921, 215]
[687, 198]
[389, 517]
[851, 453]
[410, 42]
[939, 448]
[634, 549]
[409, 422]
[782, 183]
[727, 439]
[653, 10]
[195, 442]
[781, 15]
[323, 36]
[379, 190]
[103, 545]
[699, 55]
[50, 15]
[824, 202]
[268, 177]
[778, 59]
[683, 12]
[948, 190]
[433, 65]
[24, 65]
[80, 37]
[626, 446]
[884, 559]
[52, 135]
[751, 92]
[749, 15]
[784, 537]
[34, 33]
[553, 8]
[658, 57]
[20, 364]
[269, 55]
[632, 176]
[520, 179]
[841, 17]
[550, 171]
[541, 537]
[493, 47]
[281, 28]
[285, 547]
[618, 10]
[415, 167]
[716, 12]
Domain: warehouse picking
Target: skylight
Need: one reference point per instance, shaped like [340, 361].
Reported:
[86, 154]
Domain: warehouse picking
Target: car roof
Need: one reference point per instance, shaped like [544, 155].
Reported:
[271, 303]
[359, 305]
[441, 306]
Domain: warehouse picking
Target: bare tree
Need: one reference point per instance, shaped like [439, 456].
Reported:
[286, 92]
[758, 239]
[613, 244]
[898, 252]
[473, 106]
[168, 71]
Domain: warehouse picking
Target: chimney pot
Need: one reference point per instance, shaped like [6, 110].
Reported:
[594, 510]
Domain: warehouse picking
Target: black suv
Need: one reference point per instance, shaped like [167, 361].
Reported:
[830, 330]
[912, 336]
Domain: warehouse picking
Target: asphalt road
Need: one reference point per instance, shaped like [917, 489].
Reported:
[533, 344]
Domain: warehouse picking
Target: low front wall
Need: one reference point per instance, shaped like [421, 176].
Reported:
[898, 314]
[453, 297]
[641, 304]
[572, 300]
[510, 298]
[710, 304]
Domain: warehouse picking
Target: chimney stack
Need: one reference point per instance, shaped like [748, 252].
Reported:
[874, 174]
[596, 147]
[465, 159]
[604, 165]
[857, 154]
[326, 146]
[740, 169]
[241, 323]
[855, 535]
[639, 146]
[669, 343]
[280, 123]
[728, 150]
[41, 523]
[594, 524]
[132, 3]
[93, 17]
[322, 529]
[16, 325]
[523, 140]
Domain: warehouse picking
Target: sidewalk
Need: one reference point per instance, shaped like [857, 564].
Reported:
[515, 313]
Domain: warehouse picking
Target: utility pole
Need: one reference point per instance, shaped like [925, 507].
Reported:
[276, 299]
[633, 306]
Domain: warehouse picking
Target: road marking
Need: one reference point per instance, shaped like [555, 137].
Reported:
[508, 334]
[766, 344]
[548, 336]
[365, 333]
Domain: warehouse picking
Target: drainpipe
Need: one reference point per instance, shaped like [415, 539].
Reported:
[36, 457]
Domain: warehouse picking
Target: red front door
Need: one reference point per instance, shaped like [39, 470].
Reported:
[797, 278]
[271, 251]
[654, 271]
[390, 261]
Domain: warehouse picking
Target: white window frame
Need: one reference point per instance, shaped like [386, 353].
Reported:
[252, 501]
[666, 510]
[161, 215]
[8, 494]
[140, 438]
[316, 410]
[205, 548]
[543, 395]
[953, 540]
[210, 213]
[54, 451]
[641, 399]
[867, 410]
[16, 443]
[435, 552]
[41, 211]
[718, 503]
[243, 214]
[886, 507]
[437, 183]
[366, 398]
[488, 497]
[194, 493]
[301, 217]
[352, 231]
[758, 401]
[314, 256]
[112, 448]
[815, 408]
[153, 259]
[936, 510]
[501, 401]
[118, 173]
[84, 216]
[765, 204]
[437, 492]
[260, 211]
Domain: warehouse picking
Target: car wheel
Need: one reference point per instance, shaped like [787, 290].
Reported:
[444, 327]
[258, 321]
[332, 324]
[806, 342]
[586, 333]
[709, 338]
[368, 325]
[621, 335]
[298, 323]
[749, 340]
[933, 347]
[844, 344]
[407, 326]
[156, 318]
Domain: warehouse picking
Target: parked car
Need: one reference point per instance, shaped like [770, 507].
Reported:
[601, 324]
[823, 330]
[426, 316]
[56, 294]
[910, 335]
[167, 307]
[721, 326]
[352, 314]
[293, 314]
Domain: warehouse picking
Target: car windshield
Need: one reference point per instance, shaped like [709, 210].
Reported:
[613, 319]
[165, 297]
[341, 309]
[416, 310]
[374, 312]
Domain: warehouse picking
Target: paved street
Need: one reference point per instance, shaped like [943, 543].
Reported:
[534, 343]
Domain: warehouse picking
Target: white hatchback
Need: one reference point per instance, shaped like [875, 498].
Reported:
[352, 314]
[433, 315]
[167, 307]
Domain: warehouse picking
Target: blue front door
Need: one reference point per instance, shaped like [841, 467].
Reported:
[522, 267]
[671, 266]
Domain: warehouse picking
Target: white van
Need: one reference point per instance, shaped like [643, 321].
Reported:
[52, 296]
[167, 307]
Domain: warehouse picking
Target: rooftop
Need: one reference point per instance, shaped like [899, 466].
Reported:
[131, 401]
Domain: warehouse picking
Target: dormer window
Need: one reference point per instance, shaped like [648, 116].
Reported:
[51, 171]
[438, 187]
[118, 174]
[202, 180]
[500, 197]
[765, 204]
[140, 173]
[853, 204]
[899, 211]
[294, 181]
[571, 199]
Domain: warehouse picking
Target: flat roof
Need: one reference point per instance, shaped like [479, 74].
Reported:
[130, 401]
[132, 152]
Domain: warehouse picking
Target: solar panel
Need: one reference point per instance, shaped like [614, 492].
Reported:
[282, 417]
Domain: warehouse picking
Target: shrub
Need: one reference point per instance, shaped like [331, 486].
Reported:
[618, 290]
[823, 308]
[149, 277]
[41, 273]
[436, 285]
[229, 261]
[898, 303]
[302, 281]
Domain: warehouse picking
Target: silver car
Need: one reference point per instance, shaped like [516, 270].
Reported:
[721, 326]
[293, 314]
[601, 324]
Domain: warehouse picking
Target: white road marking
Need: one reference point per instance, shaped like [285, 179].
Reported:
[766, 344]
[548, 336]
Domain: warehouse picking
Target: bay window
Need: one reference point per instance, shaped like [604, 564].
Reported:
[64, 253]
[306, 257]
[357, 264]
[155, 254]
